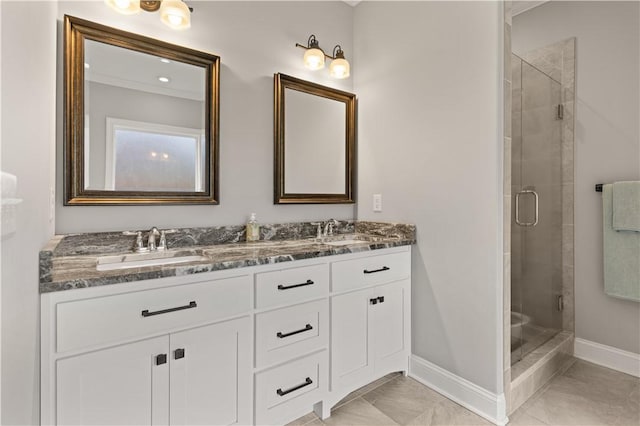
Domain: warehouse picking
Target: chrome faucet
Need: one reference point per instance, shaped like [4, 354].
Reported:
[328, 227]
[151, 243]
[151, 240]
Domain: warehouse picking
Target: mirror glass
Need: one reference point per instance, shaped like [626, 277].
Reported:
[141, 119]
[314, 143]
[315, 149]
[144, 121]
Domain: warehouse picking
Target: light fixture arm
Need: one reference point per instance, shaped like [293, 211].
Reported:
[154, 5]
[337, 52]
[312, 43]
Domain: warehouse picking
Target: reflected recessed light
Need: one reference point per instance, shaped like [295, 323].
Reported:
[86, 65]
[165, 156]
[153, 154]
[165, 60]
[164, 79]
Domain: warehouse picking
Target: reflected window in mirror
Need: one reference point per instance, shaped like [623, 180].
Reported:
[314, 143]
[141, 122]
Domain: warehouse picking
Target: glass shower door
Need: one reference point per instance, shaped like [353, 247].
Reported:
[536, 223]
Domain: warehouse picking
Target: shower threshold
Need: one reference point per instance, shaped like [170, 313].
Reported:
[549, 359]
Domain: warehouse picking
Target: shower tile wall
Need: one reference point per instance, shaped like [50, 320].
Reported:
[558, 61]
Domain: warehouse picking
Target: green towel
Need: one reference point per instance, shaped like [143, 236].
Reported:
[621, 255]
[626, 206]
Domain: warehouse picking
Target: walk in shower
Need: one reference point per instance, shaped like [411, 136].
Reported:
[536, 220]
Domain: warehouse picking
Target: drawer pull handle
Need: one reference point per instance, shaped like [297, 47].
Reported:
[178, 353]
[191, 304]
[381, 299]
[287, 287]
[307, 382]
[373, 301]
[161, 359]
[302, 330]
[384, 268]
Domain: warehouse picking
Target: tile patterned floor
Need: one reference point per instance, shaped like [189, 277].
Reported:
[586, 394]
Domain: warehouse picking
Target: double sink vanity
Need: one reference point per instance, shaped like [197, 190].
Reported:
[235, 332]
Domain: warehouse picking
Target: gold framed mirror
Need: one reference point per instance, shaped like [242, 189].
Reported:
[140, 119]
[314, 143]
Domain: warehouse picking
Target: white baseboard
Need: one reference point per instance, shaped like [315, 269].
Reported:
[471, 396]
[607, 356]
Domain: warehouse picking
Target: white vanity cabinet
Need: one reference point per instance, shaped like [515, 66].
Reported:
[152, 359]
[186, 378]
[291, 340]
[256, 345]
[370, 319]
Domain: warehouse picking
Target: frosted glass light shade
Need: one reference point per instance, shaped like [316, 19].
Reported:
[314, 59]
[175, 14]
[126, 7]
[339, 68]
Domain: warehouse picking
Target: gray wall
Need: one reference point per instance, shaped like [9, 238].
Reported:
[430, 141]
[28, 143]
[607, 141]
[254, 40]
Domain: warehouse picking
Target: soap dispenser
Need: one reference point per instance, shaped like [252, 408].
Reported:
[253, 229]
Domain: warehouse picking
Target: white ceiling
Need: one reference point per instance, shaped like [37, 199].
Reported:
[140, 71]
[520, 6]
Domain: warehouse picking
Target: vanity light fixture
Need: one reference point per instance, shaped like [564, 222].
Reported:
[314, 58]
[173, 13]
[339, 67]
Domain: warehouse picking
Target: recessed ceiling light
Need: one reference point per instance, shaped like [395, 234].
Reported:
[165, 60]
[86, 65]
[164, 79]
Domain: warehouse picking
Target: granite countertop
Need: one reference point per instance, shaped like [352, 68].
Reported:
[69, 261]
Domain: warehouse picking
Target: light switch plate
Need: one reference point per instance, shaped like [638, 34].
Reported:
[377, 202]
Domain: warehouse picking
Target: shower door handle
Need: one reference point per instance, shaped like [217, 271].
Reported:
[535, 198]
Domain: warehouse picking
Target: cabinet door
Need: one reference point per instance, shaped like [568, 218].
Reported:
[211, 374]
[351, 362]
[389, 325]
[123, 385]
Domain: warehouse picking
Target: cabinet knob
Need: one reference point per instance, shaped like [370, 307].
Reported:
[178, 353]
[161, 359]
[381, 299]
[373, 301]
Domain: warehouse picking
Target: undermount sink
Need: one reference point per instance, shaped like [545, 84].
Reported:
[139, 260]
[347, 239]
[344, 242]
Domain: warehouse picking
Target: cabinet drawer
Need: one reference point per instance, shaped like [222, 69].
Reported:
[290, 389]
[291, 285]
[290, 332]
[111, 319]
[371, 270]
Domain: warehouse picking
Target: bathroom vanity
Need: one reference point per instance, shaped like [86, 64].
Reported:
[250, 333]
